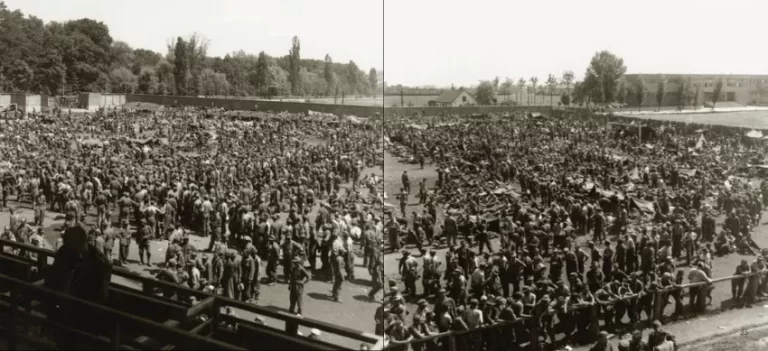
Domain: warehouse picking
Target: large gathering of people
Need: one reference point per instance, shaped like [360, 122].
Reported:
[586, 212]
[283, 194]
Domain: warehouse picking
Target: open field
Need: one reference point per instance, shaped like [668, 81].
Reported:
[745, 119]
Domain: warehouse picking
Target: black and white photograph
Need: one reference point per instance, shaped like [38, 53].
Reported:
[191, 175]
[575, 175]
[383, 175]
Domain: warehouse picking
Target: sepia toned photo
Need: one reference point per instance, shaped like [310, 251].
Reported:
[575, 175]
[191, 175]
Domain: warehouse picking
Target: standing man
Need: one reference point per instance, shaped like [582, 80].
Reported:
[124, 237]
[337, 266]
[406, 182]
[299, 277]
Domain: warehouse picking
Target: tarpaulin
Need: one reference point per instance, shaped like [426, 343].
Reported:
[607, 193]
[700, 143]
[645, 206]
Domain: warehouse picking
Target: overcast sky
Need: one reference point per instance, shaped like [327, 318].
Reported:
[346, 29]
[440, 42]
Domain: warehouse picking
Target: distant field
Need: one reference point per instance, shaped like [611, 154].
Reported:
[746, 119]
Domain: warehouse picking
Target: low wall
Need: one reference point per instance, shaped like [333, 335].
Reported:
[462, 111]
[259, 105]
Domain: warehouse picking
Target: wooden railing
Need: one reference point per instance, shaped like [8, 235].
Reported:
[492, 334]
[149, 285]
[118, 322]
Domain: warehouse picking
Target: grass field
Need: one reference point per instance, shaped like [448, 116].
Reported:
[745, 119]
[413, 100]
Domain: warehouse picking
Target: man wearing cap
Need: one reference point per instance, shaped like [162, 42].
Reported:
[299, 277]
[248, 270]
[602, 343]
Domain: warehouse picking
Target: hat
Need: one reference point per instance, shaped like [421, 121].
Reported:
[656, 324]
[422, 302]
[296, 260]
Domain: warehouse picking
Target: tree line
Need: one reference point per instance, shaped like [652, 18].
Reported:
[58, 58]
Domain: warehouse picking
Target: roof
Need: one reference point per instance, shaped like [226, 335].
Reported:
[449, 96]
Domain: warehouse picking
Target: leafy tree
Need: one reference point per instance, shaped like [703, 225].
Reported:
[181, 66]
[551, 84]
[123, 80]
[262, 73]
[485, 94]
[696, 95]
[295, 66]
[20, 76]
[640, 93]
[506, 88]
[352, 77]
[534, 80]
[328, 73]
[520, 86]
[682, 88]
[568, 80]
[578, 94]
[621, 94]
[565, 99]
[51, 73]
[661, 89]
[716, 92]
[148, 82]
[373, 80]
[604, 71]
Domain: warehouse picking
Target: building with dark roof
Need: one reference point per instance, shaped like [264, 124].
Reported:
[453, 98]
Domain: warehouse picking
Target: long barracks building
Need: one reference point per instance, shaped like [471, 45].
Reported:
[740, 89]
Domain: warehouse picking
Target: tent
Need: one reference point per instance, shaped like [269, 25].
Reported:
[755, 134]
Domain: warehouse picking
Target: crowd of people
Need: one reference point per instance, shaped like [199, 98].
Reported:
[586, 212]
[266, 197]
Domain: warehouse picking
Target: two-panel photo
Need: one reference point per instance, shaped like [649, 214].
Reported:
[383, 175]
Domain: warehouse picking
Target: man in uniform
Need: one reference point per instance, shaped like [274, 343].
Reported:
[299, 277]
[124, 238]
[143, 235]
[337, 266]
[109, 239]
[248, 270]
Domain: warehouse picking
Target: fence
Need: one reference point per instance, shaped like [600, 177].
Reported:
[499, 336]
[302, 107]
[213, 304]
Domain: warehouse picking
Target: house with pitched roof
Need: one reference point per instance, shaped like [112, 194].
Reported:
[453, 98]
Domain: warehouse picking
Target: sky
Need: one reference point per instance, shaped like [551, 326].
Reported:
[444, 42]
[345, 29]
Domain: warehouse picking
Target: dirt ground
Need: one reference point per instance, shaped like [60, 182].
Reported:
[355, 310]
[722, 266]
